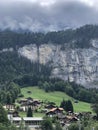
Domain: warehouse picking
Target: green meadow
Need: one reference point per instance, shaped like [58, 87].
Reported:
[56, 97]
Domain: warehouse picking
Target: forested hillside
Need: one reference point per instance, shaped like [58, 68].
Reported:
[13, 66]
[79, 38]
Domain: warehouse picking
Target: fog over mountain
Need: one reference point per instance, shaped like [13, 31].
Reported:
[47, 15]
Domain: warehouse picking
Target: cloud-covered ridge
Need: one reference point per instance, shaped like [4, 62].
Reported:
[41, 15]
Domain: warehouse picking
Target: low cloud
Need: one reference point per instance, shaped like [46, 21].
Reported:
[45, 16]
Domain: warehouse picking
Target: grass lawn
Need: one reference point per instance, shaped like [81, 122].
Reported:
[56, 97]
[23, 114]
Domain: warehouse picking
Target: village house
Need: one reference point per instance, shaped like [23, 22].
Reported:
[13, 113]
[67, 119]
[55, 111]
[50, 106]
[10, 107]
[29, 102]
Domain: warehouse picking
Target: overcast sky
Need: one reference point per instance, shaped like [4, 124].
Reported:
[47, 15]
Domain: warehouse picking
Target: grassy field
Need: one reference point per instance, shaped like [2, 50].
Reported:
[56, 97]
[23, 114]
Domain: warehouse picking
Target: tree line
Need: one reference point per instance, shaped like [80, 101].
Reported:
[74, 90]
[9, 93]
[79, 37]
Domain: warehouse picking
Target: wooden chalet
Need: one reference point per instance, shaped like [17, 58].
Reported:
[55, 111]
[29, 102]
[10, 107]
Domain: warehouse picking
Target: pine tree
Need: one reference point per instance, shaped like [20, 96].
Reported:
[29, 112]
[3, 115]
[70, 106]
[67, 105]
[63, 104]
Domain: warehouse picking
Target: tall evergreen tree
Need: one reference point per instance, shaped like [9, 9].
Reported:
[29, 112]
[3, 115]
[63, 104]
[67, 105]
[8, 98]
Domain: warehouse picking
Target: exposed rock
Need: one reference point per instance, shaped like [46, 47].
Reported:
[79, 65]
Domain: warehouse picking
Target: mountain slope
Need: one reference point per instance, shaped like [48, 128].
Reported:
[79, 65]
[70, 55]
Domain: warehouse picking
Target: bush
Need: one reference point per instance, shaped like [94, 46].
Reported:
[20, 95]
[75, 126]
[46, 124]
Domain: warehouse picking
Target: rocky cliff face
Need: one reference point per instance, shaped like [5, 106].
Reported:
[79, 65]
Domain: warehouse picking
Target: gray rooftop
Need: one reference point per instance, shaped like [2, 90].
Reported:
[27, 118]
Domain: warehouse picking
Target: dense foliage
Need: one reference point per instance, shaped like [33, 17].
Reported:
[75, 126]
[95, 109]
[74, 38]
[67, 105]
[8, 93]
[29, 112]
[71, 88]
[13, 66]
[46, 124]
[4, 122]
